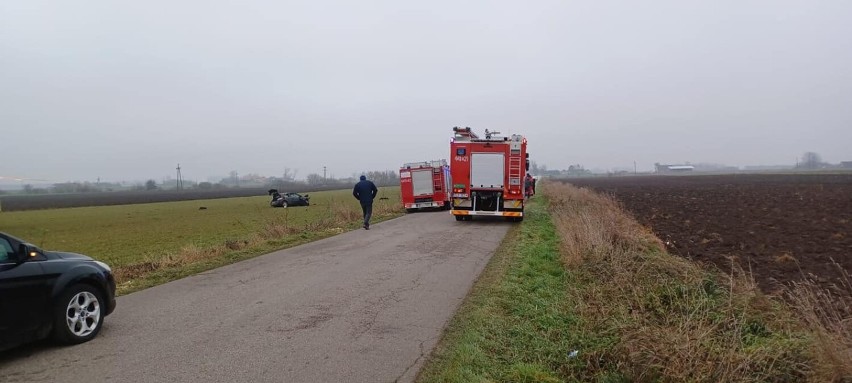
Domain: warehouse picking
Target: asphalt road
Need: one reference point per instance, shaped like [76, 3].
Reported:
[363, 306]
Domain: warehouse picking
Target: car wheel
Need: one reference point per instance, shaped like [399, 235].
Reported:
[284, 204]
[459, 218]
[78, 314]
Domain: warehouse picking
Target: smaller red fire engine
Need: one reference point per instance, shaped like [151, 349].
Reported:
[425, 185]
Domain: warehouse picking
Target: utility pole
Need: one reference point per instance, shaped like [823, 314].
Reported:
[179, 181]
[634, 168]
[323, 173]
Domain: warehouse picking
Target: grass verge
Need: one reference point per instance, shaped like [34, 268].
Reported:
[514, 326]
[582, 292]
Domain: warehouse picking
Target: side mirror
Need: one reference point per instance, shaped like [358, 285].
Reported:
[26, 251]
[528, 165]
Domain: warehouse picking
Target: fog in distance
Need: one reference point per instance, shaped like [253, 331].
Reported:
[116, 90]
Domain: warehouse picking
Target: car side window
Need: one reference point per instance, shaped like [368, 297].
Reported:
[6, 250]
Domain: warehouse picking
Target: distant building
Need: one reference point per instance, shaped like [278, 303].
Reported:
[759, 168]
[660, 168]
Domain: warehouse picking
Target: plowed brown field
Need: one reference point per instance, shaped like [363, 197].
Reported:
[779, 227]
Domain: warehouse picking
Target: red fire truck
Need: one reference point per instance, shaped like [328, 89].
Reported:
[488, 174]
[425, 185]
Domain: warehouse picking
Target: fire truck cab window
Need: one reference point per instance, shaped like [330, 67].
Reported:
[460, 151]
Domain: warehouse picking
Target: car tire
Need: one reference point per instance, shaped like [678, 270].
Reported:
[459, 218]
[284, 204]
[79, 314]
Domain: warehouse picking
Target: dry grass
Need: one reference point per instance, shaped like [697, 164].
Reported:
[785, 258]
[827, 313]
[337, 218]
[663, 318]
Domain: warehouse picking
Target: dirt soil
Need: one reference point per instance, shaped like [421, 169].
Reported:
[780, 227]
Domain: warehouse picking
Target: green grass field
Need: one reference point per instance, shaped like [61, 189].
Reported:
[129, 235]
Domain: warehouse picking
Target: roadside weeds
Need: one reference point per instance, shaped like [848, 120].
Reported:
[581, 292]
[278, 233]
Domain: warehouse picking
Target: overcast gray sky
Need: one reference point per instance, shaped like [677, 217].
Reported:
[127, 90]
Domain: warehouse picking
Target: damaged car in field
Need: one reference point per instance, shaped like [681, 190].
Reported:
[288, 199]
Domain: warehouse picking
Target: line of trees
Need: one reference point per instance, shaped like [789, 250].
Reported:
[379, 177]
[286, 181]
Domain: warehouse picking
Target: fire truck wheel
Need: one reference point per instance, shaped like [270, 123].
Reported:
[409, 210]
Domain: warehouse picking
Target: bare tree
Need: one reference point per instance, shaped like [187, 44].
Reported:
[811, 160]
[314, 179]
[289, 174]
[535, 168]
[382, 177]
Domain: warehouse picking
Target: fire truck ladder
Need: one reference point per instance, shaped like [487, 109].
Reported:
[464, 133]
[515, 162]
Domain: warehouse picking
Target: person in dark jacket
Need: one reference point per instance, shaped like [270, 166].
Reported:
[365, 191]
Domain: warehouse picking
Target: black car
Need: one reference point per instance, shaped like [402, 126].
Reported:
[288, 199]
[51, 293]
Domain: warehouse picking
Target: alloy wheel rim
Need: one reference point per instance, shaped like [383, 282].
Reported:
[83, 314]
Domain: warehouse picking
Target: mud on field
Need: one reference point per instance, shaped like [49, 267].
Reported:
[780, 227]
